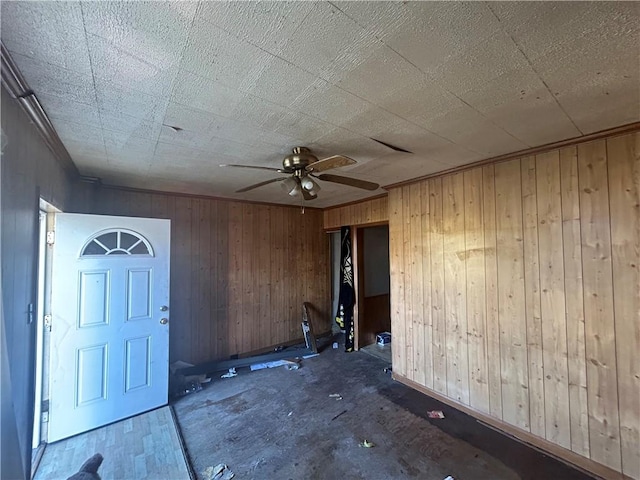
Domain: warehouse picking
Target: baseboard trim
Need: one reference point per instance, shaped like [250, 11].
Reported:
[556, 451]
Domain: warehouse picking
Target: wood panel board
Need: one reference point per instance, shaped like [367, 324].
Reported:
[396, 271]
[181, 301]
[475, 290]
[408, 282]
[235, 290]
[417, 276]
[491, 289]
[532, 296]
[552, 295]
[511, 295]
[204, 321]
[455, 287]
[604, 431]
[572, 252]
[439, 324]
[623, 161]
[427, 310]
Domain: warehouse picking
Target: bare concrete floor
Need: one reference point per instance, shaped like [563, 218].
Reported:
[381, 351]
[281, 424]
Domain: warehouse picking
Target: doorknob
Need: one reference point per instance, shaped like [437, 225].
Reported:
[164, 321]
[164, 308]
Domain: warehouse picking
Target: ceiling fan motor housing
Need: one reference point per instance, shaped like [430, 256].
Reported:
[298, 160]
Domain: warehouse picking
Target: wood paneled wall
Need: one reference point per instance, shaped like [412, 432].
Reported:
[239, 271]
[361, 213]
[515, 291]
[29, 170]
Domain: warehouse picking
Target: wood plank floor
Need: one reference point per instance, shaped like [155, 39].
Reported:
[143, 447]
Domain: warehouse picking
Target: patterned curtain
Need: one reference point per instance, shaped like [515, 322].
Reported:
[347, 299]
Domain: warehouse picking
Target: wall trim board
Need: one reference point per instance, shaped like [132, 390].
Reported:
[561, 454]
[356, 202]
[357, 225]
[16, 85]
[198, 196]
[611, 132]
[366, 213]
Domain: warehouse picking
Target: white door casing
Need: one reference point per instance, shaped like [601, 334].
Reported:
[110, 334]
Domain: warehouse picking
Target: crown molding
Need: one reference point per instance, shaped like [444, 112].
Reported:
[611, 132]
[16, 85]
[97, 183]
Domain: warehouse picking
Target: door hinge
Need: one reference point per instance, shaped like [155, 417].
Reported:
[44, 408]
[51, 237]
[47, 322]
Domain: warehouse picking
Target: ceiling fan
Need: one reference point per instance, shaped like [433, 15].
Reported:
[303, 168]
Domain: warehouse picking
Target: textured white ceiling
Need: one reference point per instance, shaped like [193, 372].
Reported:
[246, 81]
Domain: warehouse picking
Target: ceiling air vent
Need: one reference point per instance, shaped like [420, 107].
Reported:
[392, 147]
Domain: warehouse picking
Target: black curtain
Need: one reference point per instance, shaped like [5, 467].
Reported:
[347, 298]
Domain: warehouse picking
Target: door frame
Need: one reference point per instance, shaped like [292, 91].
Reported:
[39, 362]
[358, 271]
[46, 214]
[357, 252]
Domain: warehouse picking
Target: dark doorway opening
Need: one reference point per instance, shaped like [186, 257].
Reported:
[373, 301]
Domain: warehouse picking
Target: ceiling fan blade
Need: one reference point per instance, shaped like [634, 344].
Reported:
[352, 182]
[330, 162]
[251, 187]
[255, 167]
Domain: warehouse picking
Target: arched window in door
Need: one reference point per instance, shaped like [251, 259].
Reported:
[117, 242]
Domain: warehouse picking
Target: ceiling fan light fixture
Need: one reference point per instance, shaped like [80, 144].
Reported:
[296, 191]
[309, 185]
[291, 187]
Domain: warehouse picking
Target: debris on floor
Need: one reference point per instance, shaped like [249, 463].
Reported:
[307, 329]
[449, 478]
[292, 366]
[367, 444]
[289, 364]
[387, 370]
[383, 338]
[230, 374]
[337, 396]
[180, 385]
[287, 353]
[335, 345]
[219, 472]
[338, 415]
[435, 414]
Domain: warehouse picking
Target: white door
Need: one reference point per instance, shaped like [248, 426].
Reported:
[110, 309]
